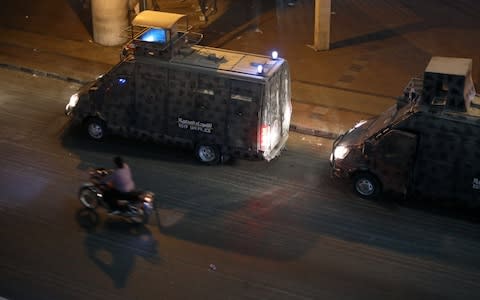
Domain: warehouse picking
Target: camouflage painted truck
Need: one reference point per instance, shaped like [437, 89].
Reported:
[426, 145]
[222, 103]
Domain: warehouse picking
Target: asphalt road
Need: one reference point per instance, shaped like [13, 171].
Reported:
[278, 230]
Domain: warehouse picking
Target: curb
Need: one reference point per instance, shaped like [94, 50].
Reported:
[293, 127]
[41, 73]
[313, 132]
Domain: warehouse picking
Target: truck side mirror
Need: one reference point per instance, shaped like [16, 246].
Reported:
[401, 102]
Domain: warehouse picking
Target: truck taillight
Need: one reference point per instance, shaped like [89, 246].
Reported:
[264, 137]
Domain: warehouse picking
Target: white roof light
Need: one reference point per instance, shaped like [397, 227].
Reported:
[260, 69]
[274, 54]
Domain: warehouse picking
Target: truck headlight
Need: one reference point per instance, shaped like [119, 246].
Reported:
[71, 103]
[73, 100]
[340, 152]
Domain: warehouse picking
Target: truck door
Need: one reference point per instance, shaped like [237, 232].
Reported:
[117, 102]
[393, 159]
[437, 170]
[210, 95]
[180, 104]
[150, 103]
[243, 113]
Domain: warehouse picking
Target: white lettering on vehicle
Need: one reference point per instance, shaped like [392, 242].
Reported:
[476, 184]
[195, 125]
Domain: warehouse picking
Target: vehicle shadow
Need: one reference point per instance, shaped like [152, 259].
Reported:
[380, 35]
[114, 247]
[83, 10]
[440, 207]
[75, 139]
[238, 17]
[436, 207]
[255, 225]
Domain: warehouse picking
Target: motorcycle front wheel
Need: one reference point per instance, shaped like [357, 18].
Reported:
[88, 197]
[141, 217]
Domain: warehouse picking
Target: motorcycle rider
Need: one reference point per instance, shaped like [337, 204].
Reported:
[120, 185]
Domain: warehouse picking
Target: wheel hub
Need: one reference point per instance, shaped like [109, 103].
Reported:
[365, 187]
[88, 198]
[206, 154]
[95, 131]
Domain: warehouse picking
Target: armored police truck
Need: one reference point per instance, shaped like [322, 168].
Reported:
[222, 103]
[428, 144]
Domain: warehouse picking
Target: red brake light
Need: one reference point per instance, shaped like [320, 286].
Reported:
[264, 137]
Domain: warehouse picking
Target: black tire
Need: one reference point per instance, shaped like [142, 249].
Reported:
[141, 218]
[367, 186]
[95, 128]
[146, 217]
[207, 154]
[88, 197]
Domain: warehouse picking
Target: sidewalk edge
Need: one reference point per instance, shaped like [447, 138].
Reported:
[41, 73]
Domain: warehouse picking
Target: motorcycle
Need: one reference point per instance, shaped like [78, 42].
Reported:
[137, 205]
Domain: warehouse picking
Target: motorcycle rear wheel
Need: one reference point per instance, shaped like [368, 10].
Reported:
[88, 197]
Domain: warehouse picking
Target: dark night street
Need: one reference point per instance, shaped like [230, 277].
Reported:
[283, 229]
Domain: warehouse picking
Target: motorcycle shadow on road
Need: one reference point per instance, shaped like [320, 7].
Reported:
[114, 246]
[88, 219]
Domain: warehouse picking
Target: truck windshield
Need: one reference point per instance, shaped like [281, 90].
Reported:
[386, 118]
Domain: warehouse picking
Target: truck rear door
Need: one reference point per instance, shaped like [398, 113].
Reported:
[276, 112]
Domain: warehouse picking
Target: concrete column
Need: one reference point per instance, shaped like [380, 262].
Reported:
[110, 19]
[146, 4]
[323, 11]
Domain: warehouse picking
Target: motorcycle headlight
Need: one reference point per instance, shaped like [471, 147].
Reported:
[148, 197]
[340, 152]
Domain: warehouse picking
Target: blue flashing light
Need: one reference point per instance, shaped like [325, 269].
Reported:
[122, 81]
[154, 35]
[274, 55]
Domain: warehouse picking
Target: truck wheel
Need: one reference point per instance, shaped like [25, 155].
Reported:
[95, 128]
[207, 154]
[366, 185]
